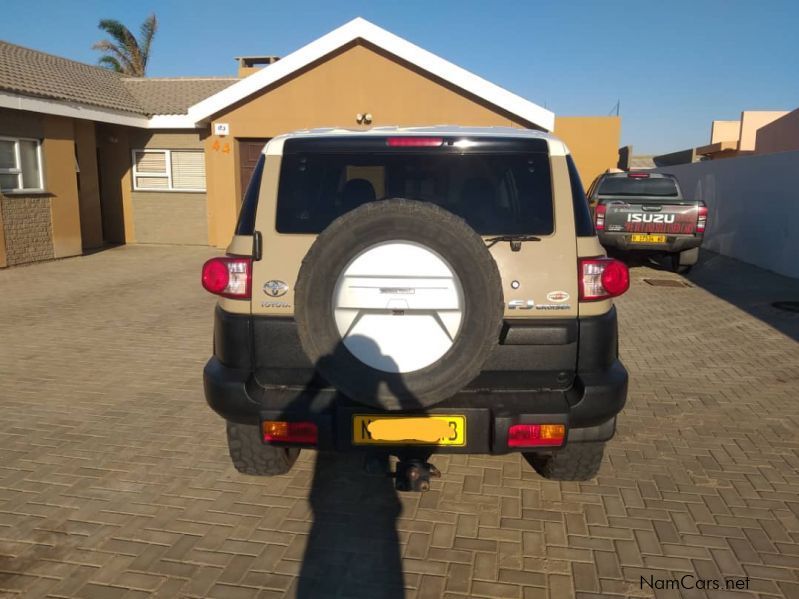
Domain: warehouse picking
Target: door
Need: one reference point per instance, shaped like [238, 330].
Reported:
[249, 151]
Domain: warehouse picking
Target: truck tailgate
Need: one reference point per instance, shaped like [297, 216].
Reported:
[650, 217]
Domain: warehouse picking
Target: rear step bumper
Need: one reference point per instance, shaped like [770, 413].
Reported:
[674, 243]
[588, 408]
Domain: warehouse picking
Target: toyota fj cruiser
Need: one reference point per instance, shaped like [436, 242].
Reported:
[413, 291]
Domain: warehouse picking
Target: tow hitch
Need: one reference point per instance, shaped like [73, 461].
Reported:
[411, 474]
[414, 475]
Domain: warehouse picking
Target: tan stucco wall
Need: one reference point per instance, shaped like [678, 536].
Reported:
[724, 131]
[781, 135]
[751, 121]
[60, 197]
[593, 142]
[91, 225]
[168, 216]
[356, 80]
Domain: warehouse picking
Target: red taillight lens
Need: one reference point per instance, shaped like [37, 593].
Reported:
[229, 277]
[602, 278]
[410, 142]
[599, 217]
[279, 431]
[638, 175]
[701, 219]
[536, 435]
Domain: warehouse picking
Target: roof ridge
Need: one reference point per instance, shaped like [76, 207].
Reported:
[127, 78]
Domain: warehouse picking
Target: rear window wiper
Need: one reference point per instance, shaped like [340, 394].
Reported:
[515, 240]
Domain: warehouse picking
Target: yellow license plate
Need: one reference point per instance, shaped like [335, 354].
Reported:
[435, 429]
[648, 238]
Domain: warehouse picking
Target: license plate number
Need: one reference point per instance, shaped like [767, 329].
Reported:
[435, 429]
[648, 238]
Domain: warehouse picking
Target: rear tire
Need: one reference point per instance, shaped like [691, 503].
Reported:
[682, 262]
[575, 462]
[251, 456]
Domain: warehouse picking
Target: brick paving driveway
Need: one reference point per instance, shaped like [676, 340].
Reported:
[114, 478]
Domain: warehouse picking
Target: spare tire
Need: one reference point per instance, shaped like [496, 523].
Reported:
[399, 304]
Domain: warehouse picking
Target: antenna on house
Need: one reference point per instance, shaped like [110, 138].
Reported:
[616, 107]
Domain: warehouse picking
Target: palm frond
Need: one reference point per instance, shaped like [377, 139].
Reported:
[125, 51]
[111, 63]
[147, 32]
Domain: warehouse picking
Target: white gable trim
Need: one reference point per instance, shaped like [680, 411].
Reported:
[362, 29]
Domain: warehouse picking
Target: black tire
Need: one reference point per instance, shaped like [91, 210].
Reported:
[425, 224]
[578, 461]
[251, 456]
[682, 262]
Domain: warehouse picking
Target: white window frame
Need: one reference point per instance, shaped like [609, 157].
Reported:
[168, 162]
[18, 169]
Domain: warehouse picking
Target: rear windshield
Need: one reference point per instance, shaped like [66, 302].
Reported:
[631, 186]
[502, 192]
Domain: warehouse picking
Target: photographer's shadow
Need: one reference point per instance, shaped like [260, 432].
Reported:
[353, 548]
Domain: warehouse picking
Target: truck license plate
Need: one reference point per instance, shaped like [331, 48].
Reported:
[639, 238]
[435, 429]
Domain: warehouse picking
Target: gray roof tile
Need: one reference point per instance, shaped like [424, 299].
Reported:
[30, 72]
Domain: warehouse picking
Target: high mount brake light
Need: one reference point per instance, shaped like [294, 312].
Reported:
[701, 219]
[638, 175]
[599, 217]
[414, 142]
[602, 278]
[230, 276]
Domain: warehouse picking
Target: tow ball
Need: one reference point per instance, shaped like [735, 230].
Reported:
[414, 475]
[411, 474]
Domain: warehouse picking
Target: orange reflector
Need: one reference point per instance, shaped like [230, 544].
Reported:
[536, 435]
[289, 432]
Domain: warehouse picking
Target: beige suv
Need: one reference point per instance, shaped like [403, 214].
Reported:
[411, 291]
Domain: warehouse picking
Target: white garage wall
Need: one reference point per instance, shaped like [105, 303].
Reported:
[753, 207]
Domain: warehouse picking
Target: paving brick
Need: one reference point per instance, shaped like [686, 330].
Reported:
[117, 486]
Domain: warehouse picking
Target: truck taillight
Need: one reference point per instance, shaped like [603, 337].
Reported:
[701, 219]
[230, 276]
[602, 278]
[599, 217]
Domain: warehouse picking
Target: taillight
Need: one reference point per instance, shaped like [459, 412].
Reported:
[599, 217]
[536, 435]
[701, 219]
[602, 278]
[410, 142]
[279, 431]
[638, 175]
[230, 276]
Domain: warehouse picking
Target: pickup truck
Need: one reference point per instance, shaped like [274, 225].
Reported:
[646, 213]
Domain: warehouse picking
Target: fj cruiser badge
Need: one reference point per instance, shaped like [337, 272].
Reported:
[521, 304]
[275, 288]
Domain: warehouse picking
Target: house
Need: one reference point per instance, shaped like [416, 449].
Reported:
[89, 156]
[729, 139]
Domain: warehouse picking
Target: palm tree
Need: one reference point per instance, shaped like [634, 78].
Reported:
[126, 54]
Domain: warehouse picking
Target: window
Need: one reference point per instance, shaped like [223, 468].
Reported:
[168, 170]
[504, 192]
[582, 215]
[638, 186]
[246, 224]
[20, 165]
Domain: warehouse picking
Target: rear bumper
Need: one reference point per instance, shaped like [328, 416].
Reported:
[674, 243]
[588, 408]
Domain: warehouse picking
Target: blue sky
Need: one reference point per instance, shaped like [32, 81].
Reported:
[675, 65]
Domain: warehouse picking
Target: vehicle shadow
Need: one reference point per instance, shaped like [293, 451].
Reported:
[749, 288]
[353, 548]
